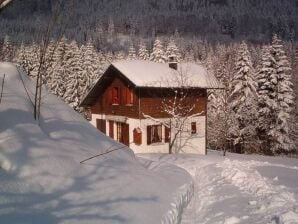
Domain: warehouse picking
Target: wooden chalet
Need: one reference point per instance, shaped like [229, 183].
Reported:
[126, 104]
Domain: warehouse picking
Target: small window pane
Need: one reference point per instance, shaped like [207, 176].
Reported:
[193, 128]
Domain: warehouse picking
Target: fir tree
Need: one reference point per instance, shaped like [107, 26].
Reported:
[243, 98]
[132, 52]
[21, 58]
[89, 63]
[173, 51]
[120, 55]
[58, 69]
[283, 98]
[75, 81]
[266, 79]
[7, 50]
[158, 54]
[143, 52]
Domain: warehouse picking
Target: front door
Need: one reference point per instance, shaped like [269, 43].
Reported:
[123, 133]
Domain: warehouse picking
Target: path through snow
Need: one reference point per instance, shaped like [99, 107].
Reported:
[236, 189]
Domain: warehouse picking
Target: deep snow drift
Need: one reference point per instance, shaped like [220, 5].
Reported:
[239, 188]
[42, 180]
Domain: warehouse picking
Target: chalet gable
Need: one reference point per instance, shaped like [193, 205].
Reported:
[141, 73]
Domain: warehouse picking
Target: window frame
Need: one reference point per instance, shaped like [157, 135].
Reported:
[155, 134]
[193, 128]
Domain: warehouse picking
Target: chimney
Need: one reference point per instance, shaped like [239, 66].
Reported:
[173, 64]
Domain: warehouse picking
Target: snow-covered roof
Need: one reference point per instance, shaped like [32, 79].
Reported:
[152, 74]
[144, 73]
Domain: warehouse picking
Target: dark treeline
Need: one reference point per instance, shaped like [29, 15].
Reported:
[214, 20]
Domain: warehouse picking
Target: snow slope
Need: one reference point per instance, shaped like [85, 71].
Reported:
[42, 180]
[239, 188]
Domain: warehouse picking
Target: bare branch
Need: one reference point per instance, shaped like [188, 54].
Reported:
[4, 3]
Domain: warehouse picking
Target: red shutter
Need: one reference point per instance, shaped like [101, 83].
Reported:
[167, 134]
[125, 134]
[115, 95]
[127, 98]
[149, 135]
[111, 129]
[137, 136]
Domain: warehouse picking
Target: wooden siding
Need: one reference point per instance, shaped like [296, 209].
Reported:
[104, 104]
[151, 99]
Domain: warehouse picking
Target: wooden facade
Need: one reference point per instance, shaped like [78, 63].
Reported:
[119, 97]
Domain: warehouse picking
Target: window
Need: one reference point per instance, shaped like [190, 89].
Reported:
[119, 132]
[122, 133]
[116, 95]
[129, 96]
[154, 134]
[193, 128]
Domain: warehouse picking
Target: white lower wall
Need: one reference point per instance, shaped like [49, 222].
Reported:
[185, 143]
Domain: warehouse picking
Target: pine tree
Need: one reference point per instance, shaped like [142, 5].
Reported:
[243, 98]
[120, 55]
[143, 53]
[20, 57]
[158, 54]
[89, 66]
[57, 71]
[173, 51]
[132, 53]
[75, 81]
[266, 79]
[32, 54]
[283, 98]
[7, 50]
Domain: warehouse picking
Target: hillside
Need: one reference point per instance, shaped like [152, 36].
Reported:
[217, 20]
[43, 181]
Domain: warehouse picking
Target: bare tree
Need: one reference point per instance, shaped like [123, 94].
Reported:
[179, 105]
[4, 3]
[55, 24]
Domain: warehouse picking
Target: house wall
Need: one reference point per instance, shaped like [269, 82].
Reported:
[149, 100]
[152, 101]
[104, 104]
[186, 143]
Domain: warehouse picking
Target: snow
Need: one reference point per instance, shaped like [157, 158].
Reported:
[42, 180]
[239, 188]
[147, 73]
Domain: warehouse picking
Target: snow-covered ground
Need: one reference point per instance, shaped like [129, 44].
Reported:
[239, 188]
[43, 181]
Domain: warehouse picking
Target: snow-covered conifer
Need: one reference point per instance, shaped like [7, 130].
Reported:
[242, 98]
[132, 52]
[120, 55]
[89, 64]
[143, 52]
[7, 50]
[158, 54]
[283, 98]
[173, 51]
[266, 79]
[75, 82]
